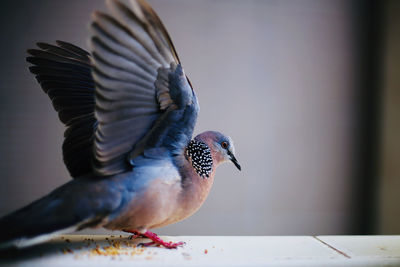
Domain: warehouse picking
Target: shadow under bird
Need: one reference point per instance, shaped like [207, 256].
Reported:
[130, 112]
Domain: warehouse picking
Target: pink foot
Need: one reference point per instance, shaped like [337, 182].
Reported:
[135, 234]
[156, 240]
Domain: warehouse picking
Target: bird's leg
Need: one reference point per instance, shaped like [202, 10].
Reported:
[135, 234]
[156, 240]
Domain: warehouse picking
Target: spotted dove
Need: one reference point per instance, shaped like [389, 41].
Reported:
[129, 111]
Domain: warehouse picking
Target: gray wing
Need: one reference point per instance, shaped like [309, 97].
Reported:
[64, 73]
[138, 80]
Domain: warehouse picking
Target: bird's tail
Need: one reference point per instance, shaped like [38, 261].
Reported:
[56, 213]
[34, 223]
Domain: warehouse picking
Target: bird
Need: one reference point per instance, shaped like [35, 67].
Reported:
[130, 112]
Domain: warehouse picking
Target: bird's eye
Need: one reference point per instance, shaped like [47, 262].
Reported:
[224, 145]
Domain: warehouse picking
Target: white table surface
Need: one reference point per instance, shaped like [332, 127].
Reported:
[76, 250]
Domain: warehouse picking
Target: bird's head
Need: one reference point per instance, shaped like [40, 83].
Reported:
[221, 147]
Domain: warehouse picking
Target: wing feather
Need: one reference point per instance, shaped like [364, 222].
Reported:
[133, 59]
[126, 96]
[124, 37]
[64, 73]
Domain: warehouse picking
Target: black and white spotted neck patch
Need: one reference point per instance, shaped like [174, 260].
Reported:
[200, 156]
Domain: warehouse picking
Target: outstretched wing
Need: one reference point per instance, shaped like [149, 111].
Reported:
[141, 90]
[64, 73]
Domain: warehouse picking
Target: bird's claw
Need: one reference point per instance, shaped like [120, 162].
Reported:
[174, 245]
[169, 245]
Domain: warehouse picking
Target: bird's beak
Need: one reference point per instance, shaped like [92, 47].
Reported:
[234, 160]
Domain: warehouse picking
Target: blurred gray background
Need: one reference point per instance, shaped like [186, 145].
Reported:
[289, 81]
